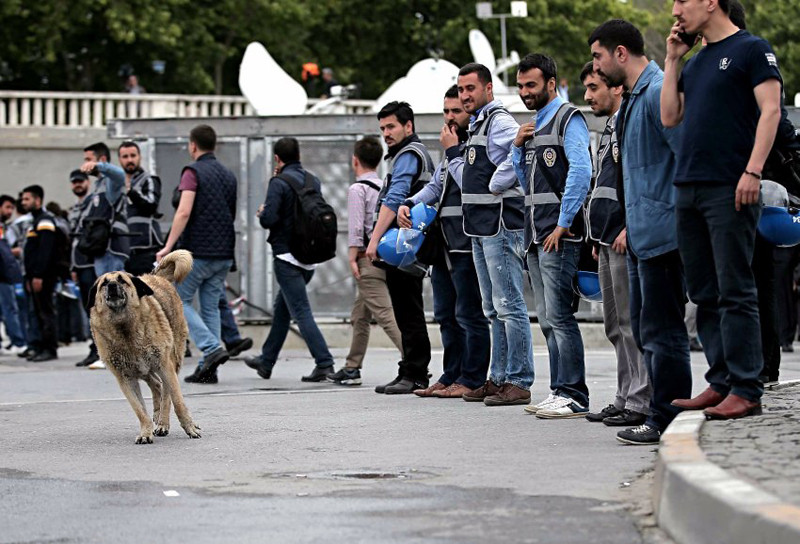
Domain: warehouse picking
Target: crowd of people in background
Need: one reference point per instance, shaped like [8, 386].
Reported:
[667, 205]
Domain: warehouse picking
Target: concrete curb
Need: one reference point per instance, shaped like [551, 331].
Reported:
[697, 502]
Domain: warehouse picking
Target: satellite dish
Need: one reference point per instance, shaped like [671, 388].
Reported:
[423, 87]
[482, 50]
[268, 88]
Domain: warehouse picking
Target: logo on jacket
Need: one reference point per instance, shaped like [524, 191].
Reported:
[549, 157]
[615, 152]
[724, 63]
[471, 155]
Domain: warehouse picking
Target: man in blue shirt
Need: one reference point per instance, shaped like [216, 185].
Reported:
[551, 157]
[649, 160]
[728, 97]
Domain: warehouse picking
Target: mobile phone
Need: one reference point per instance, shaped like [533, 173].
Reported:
[688, 39]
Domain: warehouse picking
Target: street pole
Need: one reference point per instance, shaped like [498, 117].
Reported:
[503, 46]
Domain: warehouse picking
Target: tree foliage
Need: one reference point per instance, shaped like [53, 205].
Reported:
[86, 44]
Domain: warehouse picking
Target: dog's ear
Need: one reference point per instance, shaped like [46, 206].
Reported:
[92, 295]
[142, 289]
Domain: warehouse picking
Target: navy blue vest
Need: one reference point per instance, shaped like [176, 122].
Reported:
[484, 212]
[97, 205]
[209, 233]
[79, 260]
[546, 159]
[605, 214]
[451, 217]
[420, 179]
[142, 220]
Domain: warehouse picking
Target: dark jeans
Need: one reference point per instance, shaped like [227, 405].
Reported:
[658, 301]
[42, 310]
[764, 274]
[86, 279]
[405, 291]
[716, 243]
[458, 309]
[230, 331]
[291, 302]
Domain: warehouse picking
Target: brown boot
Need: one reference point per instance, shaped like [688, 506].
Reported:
[428, 391]
[706, 399]
[733, 407]
[508, 395]
[452, 391]
[486, 390]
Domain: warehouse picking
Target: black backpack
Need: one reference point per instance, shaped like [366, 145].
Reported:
[314, 237]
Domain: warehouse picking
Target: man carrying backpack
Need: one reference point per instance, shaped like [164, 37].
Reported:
[289, 193]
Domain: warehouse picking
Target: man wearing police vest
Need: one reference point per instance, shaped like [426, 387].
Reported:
[553, 161]
[607, 231]
[493, 206]
[456, 292]
[410, 168]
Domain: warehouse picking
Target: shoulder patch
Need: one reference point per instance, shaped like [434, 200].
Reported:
[46, 224]
[772, 60]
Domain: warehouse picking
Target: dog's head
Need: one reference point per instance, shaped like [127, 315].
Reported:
[116, 291]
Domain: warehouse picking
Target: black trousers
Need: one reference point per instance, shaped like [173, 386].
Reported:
[405, 291]
[764, 274]
[42, 306]
[141, 261]
[786, 259]
[86, 279]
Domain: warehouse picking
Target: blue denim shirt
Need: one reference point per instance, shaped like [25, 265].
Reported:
[116, 180]
[649, 161]
[403, 171]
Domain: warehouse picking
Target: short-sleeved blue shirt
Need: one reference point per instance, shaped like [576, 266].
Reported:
[720, 109]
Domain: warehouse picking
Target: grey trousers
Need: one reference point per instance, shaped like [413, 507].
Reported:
[633, 383]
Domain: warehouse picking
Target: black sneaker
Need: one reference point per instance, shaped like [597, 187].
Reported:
[382, 388]
[197, 378]
[346, 376]
[256, 363]
[211, 361]
[628, 418]
[643, 435]
[608, 411]
[89, 359]
[319, 374]
[27, 354]
[235, 348]
[405, 386]
[188, 351]
[42, 356]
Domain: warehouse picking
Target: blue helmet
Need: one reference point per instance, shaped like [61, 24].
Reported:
[422, 216]
[779, 226]
[387, 248]
[398, 247]
[588, 286]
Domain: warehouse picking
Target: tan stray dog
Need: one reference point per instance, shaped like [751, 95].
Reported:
[140, 332]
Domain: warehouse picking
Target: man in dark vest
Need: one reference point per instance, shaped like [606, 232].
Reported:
[410, 168]
[553, 162]
[144, 194]
[456, 292]
[204, 224]
[606, 219]
[493, 205]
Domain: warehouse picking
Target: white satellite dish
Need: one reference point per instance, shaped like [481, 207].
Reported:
[423, 87]
[268, 88]
[482, 50]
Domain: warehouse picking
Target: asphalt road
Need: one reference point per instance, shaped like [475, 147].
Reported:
[284, 461]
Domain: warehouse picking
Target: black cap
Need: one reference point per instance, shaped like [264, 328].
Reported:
[77, 175]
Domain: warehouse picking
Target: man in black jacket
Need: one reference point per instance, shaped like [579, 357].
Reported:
[40, 273]
[291, 302]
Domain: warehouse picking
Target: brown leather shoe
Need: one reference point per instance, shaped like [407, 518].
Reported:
[508, 395]
[452, 391]
[428, 391]
[706, 399]
[733, 407]
[486, 390]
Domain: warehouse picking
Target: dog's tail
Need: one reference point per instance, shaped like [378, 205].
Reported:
[175, 266]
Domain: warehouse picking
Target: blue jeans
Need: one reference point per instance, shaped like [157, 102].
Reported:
[291, 302]
[717, 243]
[465, 331]
[499, 264]
[108, 263]
[207, 279]
[658, 302]
[552, 275]
[11, 315]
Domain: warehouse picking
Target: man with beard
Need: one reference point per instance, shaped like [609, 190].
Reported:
[551, 156]
[456, 292]
[493, 204]
[649, 162]
[410, 168]
[607, 230]
[144, 193]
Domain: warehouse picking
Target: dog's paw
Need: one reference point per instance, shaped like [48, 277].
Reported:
[144, 439]
[161, 430]
[192, 430]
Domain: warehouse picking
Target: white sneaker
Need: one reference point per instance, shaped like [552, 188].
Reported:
[533, 408]
[97, 365]
[15, 350]
[561, 409]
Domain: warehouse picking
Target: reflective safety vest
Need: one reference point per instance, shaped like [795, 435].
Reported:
[451, 217]
[418, 182]
[484, 212]
[97, 205]
[605, 214]
[143, 199]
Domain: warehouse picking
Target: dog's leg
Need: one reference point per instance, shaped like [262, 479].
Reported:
[170, 379]
[132, 391]
[161, 405]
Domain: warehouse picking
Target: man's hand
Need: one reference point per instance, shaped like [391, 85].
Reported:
[404, 217]
[36, 285]
[260, 210]
[161, 254]
[89, 167]
[525, 133]
[676, 49]
[747, 191]
[595, 256]
[372, 249]
[354, 269]
[551, 242]
[620, 245]
[448, 137]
